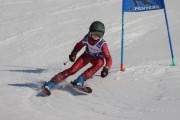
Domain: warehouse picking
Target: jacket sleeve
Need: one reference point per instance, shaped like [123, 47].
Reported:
[107, 56]
[78, 47]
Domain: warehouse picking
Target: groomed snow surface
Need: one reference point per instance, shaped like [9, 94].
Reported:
[37, 36]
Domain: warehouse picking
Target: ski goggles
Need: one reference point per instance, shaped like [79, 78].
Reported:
[100, 34]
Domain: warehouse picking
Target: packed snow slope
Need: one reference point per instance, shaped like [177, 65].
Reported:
[36, 37]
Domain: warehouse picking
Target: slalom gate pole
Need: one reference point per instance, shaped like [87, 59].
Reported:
[122, 40]
[169, 36]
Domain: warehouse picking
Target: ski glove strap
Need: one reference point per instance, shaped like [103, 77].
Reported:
[104, 72]
[72, 56]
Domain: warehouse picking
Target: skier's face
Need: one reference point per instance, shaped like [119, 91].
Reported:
[95, 37]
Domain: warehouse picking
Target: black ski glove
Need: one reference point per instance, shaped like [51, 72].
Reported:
[104, 72]
[72, 56]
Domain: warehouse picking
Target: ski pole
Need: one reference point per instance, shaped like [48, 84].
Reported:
[97, 75]
[66, 62]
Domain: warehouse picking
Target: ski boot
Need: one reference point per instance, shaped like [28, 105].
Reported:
[48, 86]
[79, 85]
[79, 81]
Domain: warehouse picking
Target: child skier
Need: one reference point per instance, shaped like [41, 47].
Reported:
[95, 53]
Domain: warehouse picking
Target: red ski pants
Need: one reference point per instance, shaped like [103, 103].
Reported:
[82, 61]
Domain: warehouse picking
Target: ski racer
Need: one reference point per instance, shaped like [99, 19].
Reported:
[96, 52]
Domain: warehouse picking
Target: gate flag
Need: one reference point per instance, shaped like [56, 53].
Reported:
[142, 5]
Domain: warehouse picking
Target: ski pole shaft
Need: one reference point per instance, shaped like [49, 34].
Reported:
[97, 75]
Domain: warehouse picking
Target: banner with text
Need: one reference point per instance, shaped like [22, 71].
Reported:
[142, 5]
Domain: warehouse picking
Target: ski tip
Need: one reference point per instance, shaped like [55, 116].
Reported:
[88, 90]
[44, 93]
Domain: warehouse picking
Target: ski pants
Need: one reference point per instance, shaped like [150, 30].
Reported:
[82, 61]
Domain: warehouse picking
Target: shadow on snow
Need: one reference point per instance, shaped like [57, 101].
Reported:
[38, 86]
[25, 69]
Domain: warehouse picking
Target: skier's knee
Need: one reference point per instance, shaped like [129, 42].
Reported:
[100, 63]
[88, 74]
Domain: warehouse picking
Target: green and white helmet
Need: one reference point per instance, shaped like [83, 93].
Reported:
[97, 27]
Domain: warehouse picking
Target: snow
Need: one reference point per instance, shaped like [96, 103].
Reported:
[36, 37]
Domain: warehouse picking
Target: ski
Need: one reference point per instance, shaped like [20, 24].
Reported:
[44, 92]
[83, 89]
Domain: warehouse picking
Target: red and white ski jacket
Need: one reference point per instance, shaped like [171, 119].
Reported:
[95, 49]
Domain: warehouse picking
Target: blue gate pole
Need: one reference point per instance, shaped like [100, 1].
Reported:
[122, 39]
[170, 43]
